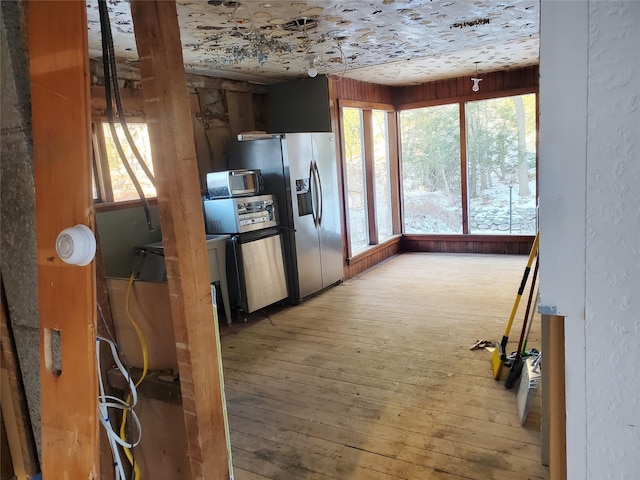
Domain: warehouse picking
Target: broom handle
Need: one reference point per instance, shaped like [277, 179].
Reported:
[526, 313]
[533, 313]
[505, 337]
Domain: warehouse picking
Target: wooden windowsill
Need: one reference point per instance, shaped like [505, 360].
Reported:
[470, 237]
[372, 249]
[111, 206]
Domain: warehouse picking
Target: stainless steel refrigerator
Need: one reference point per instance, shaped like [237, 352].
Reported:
[300, 169]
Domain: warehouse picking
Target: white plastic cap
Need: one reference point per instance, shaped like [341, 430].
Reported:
[76, 245]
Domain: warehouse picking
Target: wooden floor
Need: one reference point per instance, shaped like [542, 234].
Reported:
[374, 379]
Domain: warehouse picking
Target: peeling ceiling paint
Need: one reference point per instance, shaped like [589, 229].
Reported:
[390, 42]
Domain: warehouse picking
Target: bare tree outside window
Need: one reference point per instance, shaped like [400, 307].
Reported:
[501, 154]
[430, 142]
[123, 188]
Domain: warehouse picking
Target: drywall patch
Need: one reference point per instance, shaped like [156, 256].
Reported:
[548, 310]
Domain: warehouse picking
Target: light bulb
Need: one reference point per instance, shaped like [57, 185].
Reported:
[476, 86]
[313, 71]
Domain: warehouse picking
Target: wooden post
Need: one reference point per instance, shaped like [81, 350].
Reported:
[105, 329]
[172, 146]
[545, 426]
[554, 359]
[15, 415]
[59, 70]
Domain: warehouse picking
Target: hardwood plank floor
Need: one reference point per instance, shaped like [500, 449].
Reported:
[374, 379]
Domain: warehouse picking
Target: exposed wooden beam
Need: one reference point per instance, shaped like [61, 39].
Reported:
[555, 360]
[15, 414]
[60, 98]
[105, 329]
[194, 82]
[131, 98]
[213, 83]
[173, 151]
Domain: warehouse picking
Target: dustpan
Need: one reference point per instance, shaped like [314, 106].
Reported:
[529, 383]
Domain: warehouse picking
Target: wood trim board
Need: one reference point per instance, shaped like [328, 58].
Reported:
[173, 150]
[61, 125]
[15, 415]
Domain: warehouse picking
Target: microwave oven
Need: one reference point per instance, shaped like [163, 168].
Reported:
[239, 215]
[234, 183]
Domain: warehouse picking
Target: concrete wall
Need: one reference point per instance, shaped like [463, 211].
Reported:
[589, 177]
[17, 204]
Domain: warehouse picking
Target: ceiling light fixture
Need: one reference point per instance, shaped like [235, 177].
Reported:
[476, 81]
[312, 71]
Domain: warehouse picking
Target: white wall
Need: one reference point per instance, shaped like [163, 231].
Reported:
[590, 224]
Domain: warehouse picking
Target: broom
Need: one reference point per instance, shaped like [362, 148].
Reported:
[515, 370]
[499, 354]
[526, 337]
[529, 384]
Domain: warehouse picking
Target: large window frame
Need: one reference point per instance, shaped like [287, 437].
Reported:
[366, 111]
[461, 102]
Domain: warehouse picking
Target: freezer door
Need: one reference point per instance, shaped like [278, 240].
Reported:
[305, 213]
[330, 231]
[263, 268]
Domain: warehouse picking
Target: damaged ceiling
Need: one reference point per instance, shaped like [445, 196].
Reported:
[389, 42]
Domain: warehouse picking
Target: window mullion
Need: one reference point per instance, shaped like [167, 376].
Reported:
[393, 146]
[463, 168]
[103, 173]
[369, 173]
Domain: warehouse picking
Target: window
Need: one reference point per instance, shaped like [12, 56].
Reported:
[501, 165]
[489, 179]
[115, 183]
[354, 161]
[381, 170]
[370, 191]
[430, 143]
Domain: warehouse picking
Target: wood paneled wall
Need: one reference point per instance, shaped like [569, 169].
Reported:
[348, 89]
[512, 82]
[376, 255]
[457, 89]
[510, 245]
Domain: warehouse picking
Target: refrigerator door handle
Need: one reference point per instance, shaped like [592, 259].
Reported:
[312, 181]
[316, 194]
[321, 201]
